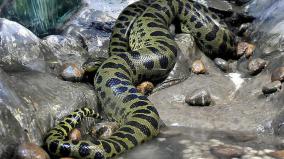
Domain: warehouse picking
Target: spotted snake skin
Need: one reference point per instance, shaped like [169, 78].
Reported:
[141, 48]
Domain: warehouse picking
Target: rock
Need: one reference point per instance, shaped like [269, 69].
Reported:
[89, 27]
[277, 154]
[245, 48]
[198, 67]
[30, 151]
[20, 49]
[199, 98]
[71, 72]
[145, 87]
[67, 50]
[75, 135]
[271, 87]
[226, 152]
[278, 74]
[32, 102]
[256, 65]
[222, 64]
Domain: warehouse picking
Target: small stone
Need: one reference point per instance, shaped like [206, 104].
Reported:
[245, 48]
[255, 66]
[277, 154]
[226, 152]
[145, 87]
[30, 150]
[199, 98]
[222, 64]
[75, 135]
[198, 67]
[271, 87]
[71, 72]
[278, 74]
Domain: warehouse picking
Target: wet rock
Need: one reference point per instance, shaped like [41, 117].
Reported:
[226, 152]
[145, 87]
[30, 151]
[245, 48]
[277, 154]
[199, 98]
[198, 67]
[20, 49]
[67, 50]
[75, 135]
[89, 27]
[32, 103]
[71, 72]
[255, 66]
[271, 87]
[277, 74]
[222, 64]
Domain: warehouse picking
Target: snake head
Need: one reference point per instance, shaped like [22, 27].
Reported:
[93, 64]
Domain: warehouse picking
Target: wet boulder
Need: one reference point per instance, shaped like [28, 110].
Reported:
[70, 56]
[32, 102]
[19, 48]
[93, 29]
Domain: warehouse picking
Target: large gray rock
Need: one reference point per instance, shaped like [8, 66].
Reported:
[32, 102]
[93, 29]
[20, 48]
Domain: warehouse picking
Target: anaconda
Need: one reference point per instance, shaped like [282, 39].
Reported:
[147, 52]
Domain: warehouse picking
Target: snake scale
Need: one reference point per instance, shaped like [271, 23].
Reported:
[141, 48]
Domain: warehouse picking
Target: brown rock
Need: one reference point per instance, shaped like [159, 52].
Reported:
[30, 151]
[71, 72]
[245, 48]
[256, 65]
[278, 74]
[226, 152]
[75, 135]
[277, 154]
[199, 98]
[198, 67]
[145, 87]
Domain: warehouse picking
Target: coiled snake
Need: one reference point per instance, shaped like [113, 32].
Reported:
[141, 48]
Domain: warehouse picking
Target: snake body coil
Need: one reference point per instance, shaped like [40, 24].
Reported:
[141, 48]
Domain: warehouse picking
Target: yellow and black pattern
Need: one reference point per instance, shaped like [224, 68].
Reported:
[141, 48]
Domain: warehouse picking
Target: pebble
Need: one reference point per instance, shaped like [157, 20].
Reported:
[198, 67]
[226, 152]
[222, 64]
[278, 74]
[271, 87]
[75, 135]
[71, 72]
[255, 66]
[245, 48]
[30, 151]
[277, 154]
[145, 87]
[199, 98]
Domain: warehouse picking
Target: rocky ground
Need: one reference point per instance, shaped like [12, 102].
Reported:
[221, 109]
